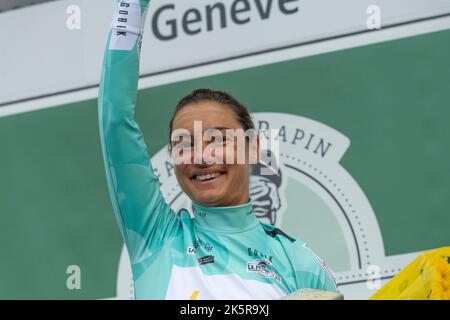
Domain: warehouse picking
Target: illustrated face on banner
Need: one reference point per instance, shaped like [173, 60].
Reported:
[264, 191]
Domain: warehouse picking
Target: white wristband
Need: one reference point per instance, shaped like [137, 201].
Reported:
[127, 26]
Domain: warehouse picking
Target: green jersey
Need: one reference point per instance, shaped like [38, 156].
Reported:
[215, 253]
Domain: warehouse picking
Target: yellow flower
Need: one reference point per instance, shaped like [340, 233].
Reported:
[427, 277]
[440, 282]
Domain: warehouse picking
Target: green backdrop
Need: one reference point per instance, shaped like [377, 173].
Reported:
[391, 99]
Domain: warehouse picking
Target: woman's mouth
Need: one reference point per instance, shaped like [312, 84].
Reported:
[208, 177]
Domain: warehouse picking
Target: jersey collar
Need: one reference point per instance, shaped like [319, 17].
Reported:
[225, 219]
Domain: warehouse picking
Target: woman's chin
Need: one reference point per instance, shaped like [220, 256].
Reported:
[209, 198]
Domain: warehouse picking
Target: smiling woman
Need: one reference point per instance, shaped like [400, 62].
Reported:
[223, 252]
[206, 180]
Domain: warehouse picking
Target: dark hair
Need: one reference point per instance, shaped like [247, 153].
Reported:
[222, 97]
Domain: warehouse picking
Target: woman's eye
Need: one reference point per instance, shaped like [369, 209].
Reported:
[219, 140]
[183, 146]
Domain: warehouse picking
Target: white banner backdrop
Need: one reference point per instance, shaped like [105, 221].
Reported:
[58, 46]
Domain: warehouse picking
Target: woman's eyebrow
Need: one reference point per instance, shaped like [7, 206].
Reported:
[181, 133]
[221, 128]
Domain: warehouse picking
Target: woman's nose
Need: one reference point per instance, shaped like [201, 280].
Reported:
[205, 153]
[199, 146]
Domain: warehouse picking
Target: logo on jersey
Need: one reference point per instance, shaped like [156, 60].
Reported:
[206, 260]
[257, 253]
[199, 244]
[263, 268]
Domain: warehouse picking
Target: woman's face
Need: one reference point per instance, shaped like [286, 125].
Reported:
[206, 174]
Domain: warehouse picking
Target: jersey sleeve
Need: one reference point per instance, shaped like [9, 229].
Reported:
[310, 270]
[145, 220]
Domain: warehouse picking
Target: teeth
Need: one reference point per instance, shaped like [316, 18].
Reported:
[208, 176]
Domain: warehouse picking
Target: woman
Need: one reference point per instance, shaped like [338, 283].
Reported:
[224, 252]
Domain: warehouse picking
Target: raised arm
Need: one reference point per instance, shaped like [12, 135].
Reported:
[144, 218]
